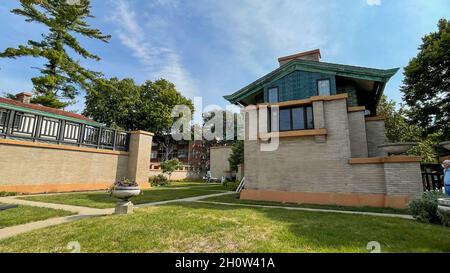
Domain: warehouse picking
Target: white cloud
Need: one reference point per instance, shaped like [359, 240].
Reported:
[257, 32]
[152, 49]
[373, 2]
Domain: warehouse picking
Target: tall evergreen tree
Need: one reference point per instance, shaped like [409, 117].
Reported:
[427, 82]
[62, 76]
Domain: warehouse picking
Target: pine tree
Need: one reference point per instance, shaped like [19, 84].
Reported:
[61, 77]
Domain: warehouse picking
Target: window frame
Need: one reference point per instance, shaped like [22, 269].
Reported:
[291, 120]
[329, 86]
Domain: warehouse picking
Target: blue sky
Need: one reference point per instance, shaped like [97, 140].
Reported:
[213, 48]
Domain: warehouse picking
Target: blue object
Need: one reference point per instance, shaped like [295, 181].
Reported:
[447, 181]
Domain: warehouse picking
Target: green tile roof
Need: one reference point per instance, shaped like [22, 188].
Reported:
[356, 72]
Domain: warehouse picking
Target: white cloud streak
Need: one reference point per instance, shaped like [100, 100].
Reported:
[155, 52]
[252, 29]
[373, 2]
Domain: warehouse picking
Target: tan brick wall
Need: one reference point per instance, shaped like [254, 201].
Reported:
[358, 136]
[179, 175]
[403, 179]
[30, 167]
[302, 164]
[375, 137]
[305, 169]
[220, 166]
[37, 166]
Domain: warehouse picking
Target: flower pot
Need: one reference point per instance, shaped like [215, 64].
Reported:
[397, 148]
[445, 144]
[444, 207]
[125, 193]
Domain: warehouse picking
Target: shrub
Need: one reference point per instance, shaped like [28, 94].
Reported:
[231, 185]
[169, 166]
[5, 193]
[159, 180]
[425, 209]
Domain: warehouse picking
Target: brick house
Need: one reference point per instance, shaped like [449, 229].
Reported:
[328, 132]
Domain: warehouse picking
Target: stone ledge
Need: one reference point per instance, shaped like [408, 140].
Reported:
[305, 101]
[58, 147]
[298, 133]
[382, 160]
[141, 132]
[375, 118]
[356, 109]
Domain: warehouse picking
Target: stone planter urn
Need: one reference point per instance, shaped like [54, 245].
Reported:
[124, 190]
[444, 209]
[445, 144]
[397, 148]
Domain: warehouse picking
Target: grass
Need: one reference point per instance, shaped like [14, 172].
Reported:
[27, 214]
[200, 227]
[103, 200]
[233, 198]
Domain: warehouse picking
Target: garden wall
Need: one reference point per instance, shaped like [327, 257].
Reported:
[36, 167]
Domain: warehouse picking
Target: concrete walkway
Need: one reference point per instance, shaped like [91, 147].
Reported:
[402, 216]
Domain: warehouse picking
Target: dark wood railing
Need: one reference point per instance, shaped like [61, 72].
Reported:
[32, 127]
[432, 177]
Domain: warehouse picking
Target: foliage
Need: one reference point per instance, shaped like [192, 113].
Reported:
[169, 166]
[426, 86]
[125, 104]
[61, 75]
[425, 209]
[397, 127]
[158, 180]
[123, 182]
[428, 148]
[6, 193]
[231, 185]
[237, 155]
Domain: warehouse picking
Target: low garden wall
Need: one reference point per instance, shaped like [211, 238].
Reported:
[37, 167]
[179, 175]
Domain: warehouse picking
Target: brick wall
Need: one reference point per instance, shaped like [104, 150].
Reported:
[320, 168]
[375, 136]
[358, 135]
[220, 166]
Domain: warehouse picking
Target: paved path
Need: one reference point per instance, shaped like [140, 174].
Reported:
[189, 199]
[403, 216]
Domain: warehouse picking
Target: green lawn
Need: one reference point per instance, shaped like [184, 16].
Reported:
[103, 200]
[199, 227]
[233, 198]
[26, 214]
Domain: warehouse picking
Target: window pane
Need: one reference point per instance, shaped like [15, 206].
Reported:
[324, 87]
[273, 95]
[298, 118]
[285, 119]
[309, 118]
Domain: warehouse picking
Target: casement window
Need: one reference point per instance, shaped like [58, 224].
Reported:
[323, 87]
[273, 95]
[293, 119]
[154, 155]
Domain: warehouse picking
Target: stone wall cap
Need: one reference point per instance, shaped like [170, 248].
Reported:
[375, 118]
[141, 132]
[382, 160]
